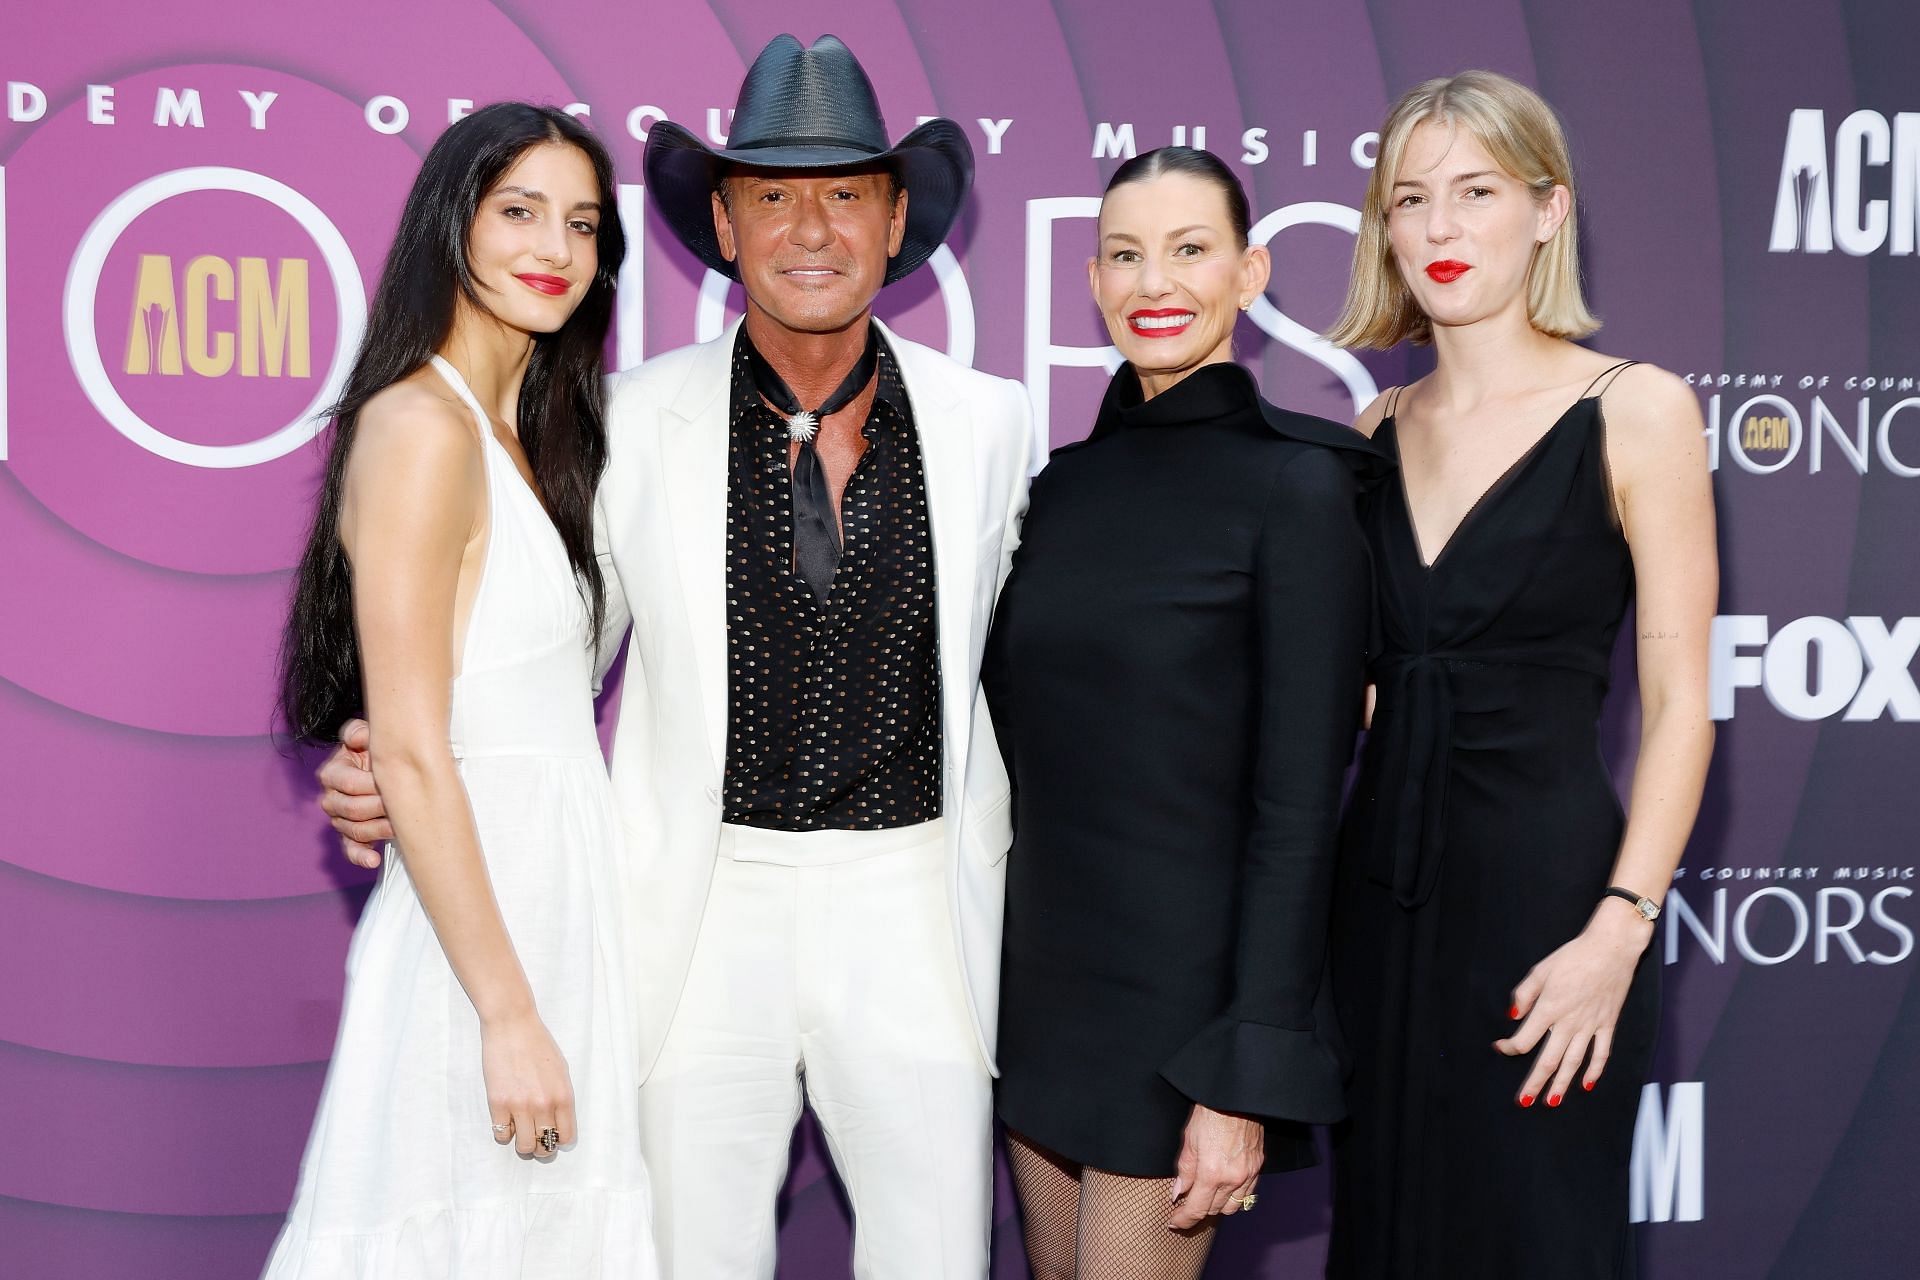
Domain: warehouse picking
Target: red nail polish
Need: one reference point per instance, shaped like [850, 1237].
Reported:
[1587, 1085]
[1554, 1101]
[1513, 1011]
[1526, 1099]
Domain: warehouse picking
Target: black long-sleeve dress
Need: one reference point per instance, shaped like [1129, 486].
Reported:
[1176, 674]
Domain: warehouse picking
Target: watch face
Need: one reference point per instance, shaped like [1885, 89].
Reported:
[1648, 908]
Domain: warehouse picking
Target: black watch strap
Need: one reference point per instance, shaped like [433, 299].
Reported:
[1647, 907]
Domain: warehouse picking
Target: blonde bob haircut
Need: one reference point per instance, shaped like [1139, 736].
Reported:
[1522, 134]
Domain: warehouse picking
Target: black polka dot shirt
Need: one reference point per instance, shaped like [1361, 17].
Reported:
[833, 708]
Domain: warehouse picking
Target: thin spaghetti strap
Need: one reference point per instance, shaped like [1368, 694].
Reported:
[1608, 375]
[1615, 370]
[1393, 404]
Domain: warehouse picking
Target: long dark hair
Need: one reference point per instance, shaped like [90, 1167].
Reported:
[1195, 163]
[562, 411]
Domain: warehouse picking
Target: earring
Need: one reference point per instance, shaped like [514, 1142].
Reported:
[1246, 304]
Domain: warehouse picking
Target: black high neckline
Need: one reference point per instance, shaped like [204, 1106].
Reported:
[1208, 394]
[1226, 394]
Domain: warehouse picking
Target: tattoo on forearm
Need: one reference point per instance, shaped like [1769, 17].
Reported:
[1659, 635]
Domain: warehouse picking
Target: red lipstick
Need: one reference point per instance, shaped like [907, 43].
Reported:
[552, 286]
[1447, 270]
[1161, 322]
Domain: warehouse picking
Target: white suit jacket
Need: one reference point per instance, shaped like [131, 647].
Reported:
[662, 531]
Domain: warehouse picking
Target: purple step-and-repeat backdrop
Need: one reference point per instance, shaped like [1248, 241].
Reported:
[194, 200]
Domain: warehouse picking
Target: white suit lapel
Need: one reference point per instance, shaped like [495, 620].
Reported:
[693, 457]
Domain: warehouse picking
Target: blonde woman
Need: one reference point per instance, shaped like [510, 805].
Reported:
[1494, 906]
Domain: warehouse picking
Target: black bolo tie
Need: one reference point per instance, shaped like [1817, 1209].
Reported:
[816, 535]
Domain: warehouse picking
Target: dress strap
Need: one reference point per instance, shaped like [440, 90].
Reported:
[1614, 370]
[1608, 375]
[1393, 403]
[452, 378]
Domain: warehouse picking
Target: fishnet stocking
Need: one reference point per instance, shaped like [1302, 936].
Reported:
[1124, 1235]
[1083, 1224]
[1049, 1207]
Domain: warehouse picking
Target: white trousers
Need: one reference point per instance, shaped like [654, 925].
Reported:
[825, 968]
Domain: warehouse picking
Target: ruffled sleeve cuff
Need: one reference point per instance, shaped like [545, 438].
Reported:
[1250, 1068]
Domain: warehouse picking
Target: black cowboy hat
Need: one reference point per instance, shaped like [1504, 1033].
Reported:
[803, 109]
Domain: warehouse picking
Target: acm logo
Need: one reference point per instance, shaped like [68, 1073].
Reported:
[1821, 206]
[273, 320]
[176, 330]
[1765, 432]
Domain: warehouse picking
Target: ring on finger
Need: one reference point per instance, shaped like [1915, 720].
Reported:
[503, 1128]
[549, 1139]
[1245, 1202]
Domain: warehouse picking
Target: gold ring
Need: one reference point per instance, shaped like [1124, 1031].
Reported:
[549, 1139]
[1245, 1202]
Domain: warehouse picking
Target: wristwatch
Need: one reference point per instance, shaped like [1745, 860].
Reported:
[1649, 909]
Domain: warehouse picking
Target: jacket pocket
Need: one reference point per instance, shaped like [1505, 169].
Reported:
[989, 828]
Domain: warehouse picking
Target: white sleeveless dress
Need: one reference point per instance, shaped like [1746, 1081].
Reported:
[402, 1178]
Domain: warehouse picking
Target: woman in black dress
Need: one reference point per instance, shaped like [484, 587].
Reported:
[1176, 673]
[1494, 906]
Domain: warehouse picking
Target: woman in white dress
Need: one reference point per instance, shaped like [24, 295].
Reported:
[480, 1115]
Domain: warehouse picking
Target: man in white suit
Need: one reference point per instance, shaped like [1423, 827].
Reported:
[807, 521]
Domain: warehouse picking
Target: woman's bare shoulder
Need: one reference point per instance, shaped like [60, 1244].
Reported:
[1647, 407]
[416, 441]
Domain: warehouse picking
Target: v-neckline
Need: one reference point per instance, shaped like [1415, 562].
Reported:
[1513, 468]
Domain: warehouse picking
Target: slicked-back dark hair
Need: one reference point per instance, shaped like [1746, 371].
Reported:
[1195, 163]
[562, 410]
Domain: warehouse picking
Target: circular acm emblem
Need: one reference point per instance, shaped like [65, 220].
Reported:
[83, 283]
